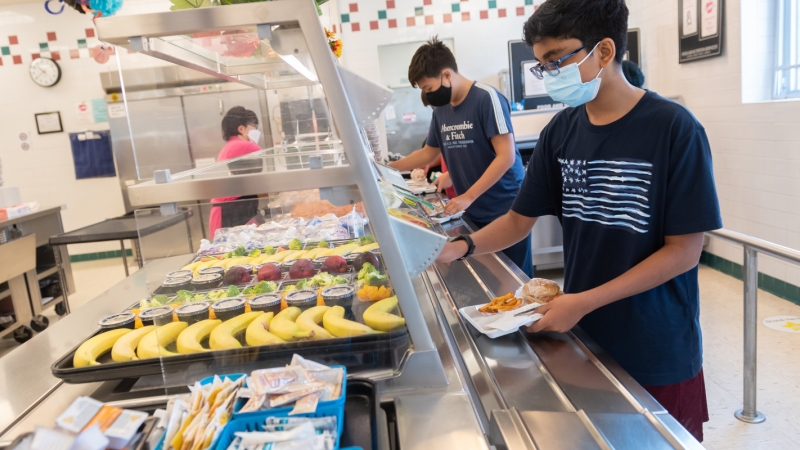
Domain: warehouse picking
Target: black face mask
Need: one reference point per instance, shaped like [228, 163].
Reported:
[441, 96]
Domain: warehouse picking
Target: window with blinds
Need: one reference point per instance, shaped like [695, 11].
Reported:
[787, 71]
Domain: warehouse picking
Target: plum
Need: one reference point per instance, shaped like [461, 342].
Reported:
[334, 264]
[302, 268]
[269, 272]
[366, 257]
[237, 275]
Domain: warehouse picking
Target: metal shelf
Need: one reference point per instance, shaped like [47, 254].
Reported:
[47, 273]
[258, 44]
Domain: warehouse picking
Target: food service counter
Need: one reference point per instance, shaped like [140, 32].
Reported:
[521, 391]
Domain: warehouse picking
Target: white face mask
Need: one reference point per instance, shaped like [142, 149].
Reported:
[254, 135]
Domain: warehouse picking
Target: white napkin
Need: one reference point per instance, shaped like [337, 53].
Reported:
[509, 322]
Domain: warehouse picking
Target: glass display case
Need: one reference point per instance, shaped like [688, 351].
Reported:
[273, 212]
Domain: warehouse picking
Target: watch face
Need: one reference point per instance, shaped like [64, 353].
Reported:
[45, 72]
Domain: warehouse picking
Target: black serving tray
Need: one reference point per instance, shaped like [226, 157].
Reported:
[360, 415]
[358, 353]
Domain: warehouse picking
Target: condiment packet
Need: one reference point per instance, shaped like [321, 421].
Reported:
[268, 381]
[264, 437]
[334, 377]
[47, 439]
[294, 395]
[123, 429]
[255, 403]
[318, 442]
[298, 360]
[321, 424]
[90, 439]
[79, 414]
[307, 404]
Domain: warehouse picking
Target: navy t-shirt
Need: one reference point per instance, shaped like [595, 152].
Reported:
[618, 190]
[463, 133]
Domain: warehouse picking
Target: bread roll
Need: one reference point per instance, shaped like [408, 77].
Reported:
[540, 290]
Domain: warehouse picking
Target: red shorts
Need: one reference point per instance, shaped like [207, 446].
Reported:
[686, 402]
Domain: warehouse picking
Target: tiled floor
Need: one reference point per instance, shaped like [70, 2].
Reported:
[721, 319]
[92, 278]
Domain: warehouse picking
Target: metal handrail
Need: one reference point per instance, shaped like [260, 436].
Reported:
[752, 247]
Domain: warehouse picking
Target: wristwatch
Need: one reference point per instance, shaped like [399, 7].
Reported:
[470, 245]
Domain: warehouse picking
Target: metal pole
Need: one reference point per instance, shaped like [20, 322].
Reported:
[748, 413]
[124, 257]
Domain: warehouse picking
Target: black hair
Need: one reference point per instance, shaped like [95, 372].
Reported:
[75, 5]
[425, 100]
[633, 73]
[235, 117]
[589, 21]
[430, 60]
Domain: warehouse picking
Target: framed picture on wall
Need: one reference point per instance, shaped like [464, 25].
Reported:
[49, 122]
[700, 29]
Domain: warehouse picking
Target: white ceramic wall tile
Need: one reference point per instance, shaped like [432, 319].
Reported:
[755, 146]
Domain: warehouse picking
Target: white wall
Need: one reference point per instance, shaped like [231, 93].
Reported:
[756, 147]
[45, 173]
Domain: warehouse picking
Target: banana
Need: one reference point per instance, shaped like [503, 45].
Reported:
[190, 338]
[337, 325]
[284, 327]
[223, 336]
[378, 318]
[344, 249]
[311, 254]
[153, 343]
[310, 319]
[366, 248]
[258, 331]
[89, 351]
[284, 256]
[192, 266]
[125, 347]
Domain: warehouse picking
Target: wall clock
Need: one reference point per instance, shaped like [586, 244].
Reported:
[45, 72]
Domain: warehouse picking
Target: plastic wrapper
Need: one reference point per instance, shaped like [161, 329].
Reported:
[295, 394]
[269, 381]
[321, 424]
[256, 438]
[308, 404]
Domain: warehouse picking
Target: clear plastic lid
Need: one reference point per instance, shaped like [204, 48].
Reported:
[208, 278]
[229, 304]
[180, 274]
[338, 292]
[193, 308]
[117, 320]
[212, 271]
[177, 281]
[301, 296]
[155, 313]
[265, 300]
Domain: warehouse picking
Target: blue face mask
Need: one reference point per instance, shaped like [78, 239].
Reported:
[567, 87]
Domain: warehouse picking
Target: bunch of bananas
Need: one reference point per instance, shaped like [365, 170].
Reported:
[254, 328]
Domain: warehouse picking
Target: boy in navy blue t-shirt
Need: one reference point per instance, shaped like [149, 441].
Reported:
[471, 129]
[629, 175]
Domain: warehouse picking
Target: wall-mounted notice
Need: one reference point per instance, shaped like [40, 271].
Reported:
[701, 29]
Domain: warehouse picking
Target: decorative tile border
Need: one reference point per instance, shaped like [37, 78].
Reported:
[100, 255]
[11, 51]
[418, 13]
[770, 284]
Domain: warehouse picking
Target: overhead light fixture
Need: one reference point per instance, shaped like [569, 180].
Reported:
[298, 66]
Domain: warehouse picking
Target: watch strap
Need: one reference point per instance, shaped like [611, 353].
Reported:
[470, 245]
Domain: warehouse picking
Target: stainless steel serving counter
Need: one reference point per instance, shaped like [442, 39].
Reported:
[521, 391]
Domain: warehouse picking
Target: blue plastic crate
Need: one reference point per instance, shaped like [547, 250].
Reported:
[252, 421]
[255, 421]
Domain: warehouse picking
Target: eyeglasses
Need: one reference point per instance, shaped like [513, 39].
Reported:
[551, 67]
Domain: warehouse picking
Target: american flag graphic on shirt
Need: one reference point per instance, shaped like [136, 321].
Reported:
[612, 193]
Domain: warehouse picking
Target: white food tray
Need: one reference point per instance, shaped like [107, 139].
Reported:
[420, 188]
[443, 219]
[483, 321]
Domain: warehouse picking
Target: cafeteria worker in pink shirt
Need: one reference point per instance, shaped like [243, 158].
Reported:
[240, 131]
